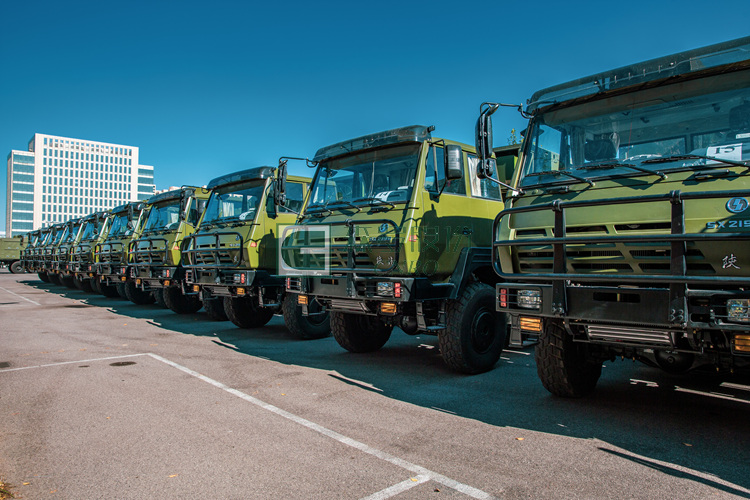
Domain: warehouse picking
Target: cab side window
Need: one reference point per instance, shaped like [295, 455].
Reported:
[483, 188]
[295, 196]
[435, 163]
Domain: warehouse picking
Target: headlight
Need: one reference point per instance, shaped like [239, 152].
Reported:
[738, 310]
[385, 288]
[529, 299]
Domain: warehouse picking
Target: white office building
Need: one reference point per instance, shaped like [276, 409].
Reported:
[61, 178]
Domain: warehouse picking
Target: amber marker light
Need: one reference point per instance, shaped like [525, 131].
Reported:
[530, 324]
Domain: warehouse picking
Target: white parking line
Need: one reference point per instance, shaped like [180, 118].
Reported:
[397, 488]
[20, 296]
[422, 473]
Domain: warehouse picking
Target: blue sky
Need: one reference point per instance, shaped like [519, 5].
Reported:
[208, 88]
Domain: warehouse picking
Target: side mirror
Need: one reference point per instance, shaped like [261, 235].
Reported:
[279, 193]
[454, 166]
[483, 131]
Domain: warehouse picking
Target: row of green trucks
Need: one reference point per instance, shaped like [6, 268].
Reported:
[618, 229]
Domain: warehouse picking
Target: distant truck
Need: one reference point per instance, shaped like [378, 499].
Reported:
[626, 232]
[10, 253]
[156, 271]
[112, 262]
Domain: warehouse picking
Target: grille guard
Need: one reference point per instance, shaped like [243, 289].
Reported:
[149, 252]
[676, 239]
[188, 255]
[350, 247]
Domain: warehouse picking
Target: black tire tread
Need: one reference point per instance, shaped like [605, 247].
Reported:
[358, 333]
[449, 339]
[299, 325]
[562, 369]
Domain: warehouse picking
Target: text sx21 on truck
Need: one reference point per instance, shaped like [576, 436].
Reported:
[111, 253]
[156, 271]
[627, 233]
[232, 258]
[397, 233]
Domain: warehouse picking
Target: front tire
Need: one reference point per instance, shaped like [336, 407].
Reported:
[312, 327]
[474, 334]
[82, 284]
[68, 281]
[179, 302]
[44, 277]
[565, 367]
[246, 313]
[159, 297]
[54, 278]
[16, 267]
[214, 307]
[359, 333]
[136, 295]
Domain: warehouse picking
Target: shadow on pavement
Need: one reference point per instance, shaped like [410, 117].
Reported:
[685, 420]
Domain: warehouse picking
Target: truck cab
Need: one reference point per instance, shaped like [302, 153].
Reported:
[82, 253]
[626, 235]
[61, 256]
[396, 233]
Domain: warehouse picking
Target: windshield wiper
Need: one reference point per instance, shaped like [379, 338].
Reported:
[374, 202]
[614, 164]
[556, 173]
[691, 156]
[344, 202]
[322, 212]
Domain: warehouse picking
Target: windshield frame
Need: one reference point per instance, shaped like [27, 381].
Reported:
[259, 185]
[708, 141]
[359, 163]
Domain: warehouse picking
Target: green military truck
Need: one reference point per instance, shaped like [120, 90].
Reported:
[38, 254]
[232, 258]
[32, 240]
[627, 231]
[397, 233]
[156, 270]
[111, 256]
[82, 254]
[10, 253]
[61, 258]
[47, 253]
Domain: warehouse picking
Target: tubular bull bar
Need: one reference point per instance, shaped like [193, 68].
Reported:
[663, 298]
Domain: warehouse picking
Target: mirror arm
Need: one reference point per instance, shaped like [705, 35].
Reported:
[509, 187]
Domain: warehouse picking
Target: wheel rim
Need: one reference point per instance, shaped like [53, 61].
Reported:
[482, 331]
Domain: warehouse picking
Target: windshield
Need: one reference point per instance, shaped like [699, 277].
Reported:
[90, 230]
[120, 227]
[163, 216]
[642, 133]
[236, 201]
[383, 175]
[70, 233]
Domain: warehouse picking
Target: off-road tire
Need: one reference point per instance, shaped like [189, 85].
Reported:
[359, 333]
[565, 367]
[16, 267]
[305, 327]
[214, 308]
[180, 303]
[159, 297]
[246, 313]
[122, 289]
[82, 284]
[68, 281]
[43, 276]
[108, 290]
[136, 295]
[474, 334]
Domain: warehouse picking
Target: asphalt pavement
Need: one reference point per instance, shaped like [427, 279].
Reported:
[101, 398]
